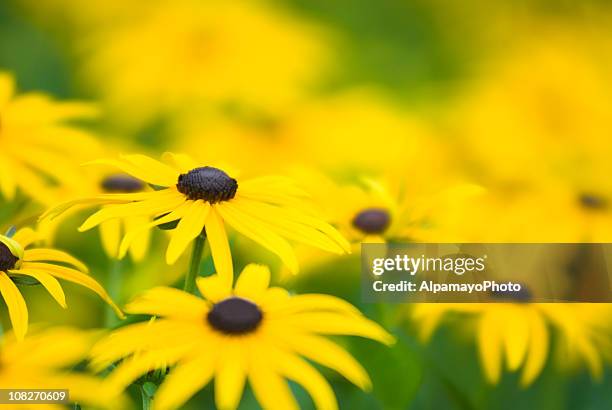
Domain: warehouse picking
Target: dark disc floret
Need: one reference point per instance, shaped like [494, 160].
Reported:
[7, 259]
[591, 201]
[235, 316]
[207, 183]
[121, 183]
[372, 220]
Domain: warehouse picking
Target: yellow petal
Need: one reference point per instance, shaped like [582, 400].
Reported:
[77, 277]
[158, 202]
[231, 375]
[181, 162]
[300, 371]
[271, 391]
[314, 302]
[137, 172]
[183, 382]
[516, 336]
[537, 350]
[8, 183]
[339, 324]
[219, 246]
[253, 282]
[154, 168]
[7, 88]
[168, 302]
[49, 282]
[189, 227]
[258, 233]
[53, 255]
[135, 231]
[110, 235]
[330, 355]
[132, 368]
[490, 346]
[213, 288]
[140, 244]
[18, 311]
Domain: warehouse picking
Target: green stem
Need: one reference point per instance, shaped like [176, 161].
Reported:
[146, 399]
[113, 287]
[194, 264]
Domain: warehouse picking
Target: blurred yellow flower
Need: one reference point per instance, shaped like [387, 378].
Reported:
[43, 361]
[149, 58]
[40, 152]
[517, 335]
[252, 332]
[205, 199]
[17, 262]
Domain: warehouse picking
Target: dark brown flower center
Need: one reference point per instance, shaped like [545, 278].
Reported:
[591, 201]
[207, 183]
[121, 183]
[7, 259]
[235, 316]
[372, 220]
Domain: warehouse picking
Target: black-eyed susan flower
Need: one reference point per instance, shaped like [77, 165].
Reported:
[252, 332]
[40, 151]
[518, 335]
[43, 361]
[204, 199]
[45, 266]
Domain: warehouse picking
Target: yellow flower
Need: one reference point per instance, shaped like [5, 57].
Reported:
[204, 198]
[174, 54]
[39, 150]
[252, 332]
[41, 360]
[517, 335]
[17, 262]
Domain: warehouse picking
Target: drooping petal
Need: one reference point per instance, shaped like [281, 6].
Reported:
[158, 202]
[134, 232]
[271, 391]
[53, 255]
[516, 336]
[231, 377]
[330, 355]
[300, 371]
[168, 302]
[110, 235]
[140, 244]
[490, 346]
[18, 311]
[184, 381]
[77, 277]
[259, 233]
[219, 246]
[48, 282]
[538, 349]
[189, 227]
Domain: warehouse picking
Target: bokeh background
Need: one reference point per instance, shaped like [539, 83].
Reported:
[484, 121]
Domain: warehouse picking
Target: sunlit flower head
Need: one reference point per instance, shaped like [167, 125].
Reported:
[45, 359]
[43, 265]
[252, 332]
[205, 199]
[517, 336]
[40, 150]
